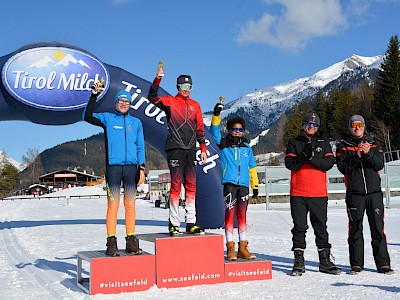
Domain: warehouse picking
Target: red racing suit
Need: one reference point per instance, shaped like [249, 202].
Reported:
[185, 127]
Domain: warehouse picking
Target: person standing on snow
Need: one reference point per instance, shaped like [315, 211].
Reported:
[185, 127]
[309, 156]
[125, 154]
[239, 168]
[360, 158]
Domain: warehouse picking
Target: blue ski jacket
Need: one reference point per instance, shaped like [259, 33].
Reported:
[237, 159]
[123, 133]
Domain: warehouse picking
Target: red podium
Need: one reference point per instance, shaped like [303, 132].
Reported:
[112, 275]
[187, 260]
[179, 261]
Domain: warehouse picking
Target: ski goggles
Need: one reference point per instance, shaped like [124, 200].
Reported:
[315, 124]
[237, 129]
[185, 86]
[357, 124]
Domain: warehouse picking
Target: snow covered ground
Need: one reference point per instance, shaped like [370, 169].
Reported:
[40, 239]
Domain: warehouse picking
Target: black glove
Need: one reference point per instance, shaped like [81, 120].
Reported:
[307, 151]
[217, 109]
[255, 193]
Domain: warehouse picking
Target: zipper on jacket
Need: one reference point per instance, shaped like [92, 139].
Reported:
[126, 150]
[238, 165]
[363, 175]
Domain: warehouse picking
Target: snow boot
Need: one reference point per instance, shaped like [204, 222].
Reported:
[355, 270]
[243, 251]
[192, 228]
[325, 263]
[298, 267]
[132, 245]
[385, 270]
[112, 248]
[230, 251]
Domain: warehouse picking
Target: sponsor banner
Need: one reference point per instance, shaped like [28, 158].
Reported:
[244, 270]
[206, 268]
[123, 274]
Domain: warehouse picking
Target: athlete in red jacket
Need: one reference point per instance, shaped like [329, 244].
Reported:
[309, 156]
[185, 125]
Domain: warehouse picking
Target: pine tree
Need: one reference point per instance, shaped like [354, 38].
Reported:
[8, 179]
[386, 105]
[320, 108]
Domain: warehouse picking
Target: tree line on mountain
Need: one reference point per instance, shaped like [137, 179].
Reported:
[378, 102]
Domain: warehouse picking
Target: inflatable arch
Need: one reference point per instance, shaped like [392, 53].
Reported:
[49, 84]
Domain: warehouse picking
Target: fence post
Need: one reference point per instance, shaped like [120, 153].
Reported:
[266, 189]
[387, 187]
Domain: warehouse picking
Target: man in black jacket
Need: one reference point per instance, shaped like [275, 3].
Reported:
[360, 158]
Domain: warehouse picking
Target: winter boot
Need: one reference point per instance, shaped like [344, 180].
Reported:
[112, 248]
[355, 270]
[298, 267]
[192, 228]
[243, 251]
[386, 270]
[230, 251]
[132, 245]
[325, 263]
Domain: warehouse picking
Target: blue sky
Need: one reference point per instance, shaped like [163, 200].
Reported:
[229, 47]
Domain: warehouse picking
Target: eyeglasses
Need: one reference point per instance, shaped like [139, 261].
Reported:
[124, 102]
[315, 124]
[185, 86]
[237, 129]
[357, 124]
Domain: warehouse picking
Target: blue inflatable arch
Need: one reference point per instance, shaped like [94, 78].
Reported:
[49, 84]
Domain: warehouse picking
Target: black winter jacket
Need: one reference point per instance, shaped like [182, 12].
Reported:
[361, 174]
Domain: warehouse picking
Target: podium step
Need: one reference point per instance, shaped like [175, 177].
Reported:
[112, 275]
[247, 270]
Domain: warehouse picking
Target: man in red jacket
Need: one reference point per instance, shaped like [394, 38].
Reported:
[185, 126]
[309, 156]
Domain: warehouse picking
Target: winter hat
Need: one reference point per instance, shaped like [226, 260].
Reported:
[356, 118]
[123, 94]
[311, 117]
[182, 79]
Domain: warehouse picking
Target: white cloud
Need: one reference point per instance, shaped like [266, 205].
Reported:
[299, 22]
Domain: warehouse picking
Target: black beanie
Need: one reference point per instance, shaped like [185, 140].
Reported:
[311, 117]
[182, 79]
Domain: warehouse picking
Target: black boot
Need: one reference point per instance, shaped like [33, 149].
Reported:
[132, 245]
[299, 267]
[112, 248]
[325, 263]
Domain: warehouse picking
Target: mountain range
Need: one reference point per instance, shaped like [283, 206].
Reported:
[262, 108]
[4, 159]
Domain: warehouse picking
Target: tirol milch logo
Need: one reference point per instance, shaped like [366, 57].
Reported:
[52, 78]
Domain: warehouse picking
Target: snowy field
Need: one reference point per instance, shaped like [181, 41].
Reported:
[40, 240]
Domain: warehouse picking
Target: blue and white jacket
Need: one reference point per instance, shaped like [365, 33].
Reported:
[123, 134]
[237, 159]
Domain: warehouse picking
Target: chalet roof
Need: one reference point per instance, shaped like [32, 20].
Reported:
[67, 171]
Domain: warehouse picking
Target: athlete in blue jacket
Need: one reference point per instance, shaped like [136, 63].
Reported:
[125, 153]
[238, 170]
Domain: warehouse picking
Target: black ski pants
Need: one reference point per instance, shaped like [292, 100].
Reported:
[372, 204]
[318, 208]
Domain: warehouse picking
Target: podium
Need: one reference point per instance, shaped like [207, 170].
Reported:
[112, 275]
[187, 260]
[183, 260]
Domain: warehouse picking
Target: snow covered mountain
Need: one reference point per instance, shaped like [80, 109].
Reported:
[5, 159]
[263, 107]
